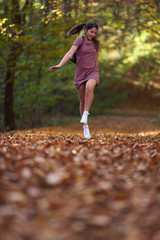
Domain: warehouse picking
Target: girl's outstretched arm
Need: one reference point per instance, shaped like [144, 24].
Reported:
[66, 57]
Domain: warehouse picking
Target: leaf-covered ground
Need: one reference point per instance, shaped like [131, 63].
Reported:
[57, 186]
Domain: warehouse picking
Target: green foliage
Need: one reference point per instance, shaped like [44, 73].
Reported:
[129, 54]
[157, 120]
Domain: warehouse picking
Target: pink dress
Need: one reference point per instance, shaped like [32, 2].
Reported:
[86, 62]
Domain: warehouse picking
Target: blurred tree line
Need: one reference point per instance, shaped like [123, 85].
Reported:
[34, 37]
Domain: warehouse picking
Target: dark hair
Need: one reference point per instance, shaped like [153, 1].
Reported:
[78, 28]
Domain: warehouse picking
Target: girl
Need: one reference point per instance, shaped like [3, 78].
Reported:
[86, 73]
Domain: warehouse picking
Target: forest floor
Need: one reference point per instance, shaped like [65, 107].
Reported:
[57, 186]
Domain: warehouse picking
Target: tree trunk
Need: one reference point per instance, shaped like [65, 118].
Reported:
[67, 10]
[8, 101]
[9, 120]
[157, 2]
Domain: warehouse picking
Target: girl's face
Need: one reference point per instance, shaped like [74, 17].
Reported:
[91, 33]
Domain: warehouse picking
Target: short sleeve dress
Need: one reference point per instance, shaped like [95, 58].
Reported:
[86, 62]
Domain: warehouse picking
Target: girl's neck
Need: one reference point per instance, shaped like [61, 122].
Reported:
[85, 37]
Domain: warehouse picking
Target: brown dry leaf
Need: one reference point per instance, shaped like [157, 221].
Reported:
[56, 185]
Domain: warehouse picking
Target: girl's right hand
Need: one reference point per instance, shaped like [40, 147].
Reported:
[54, 67]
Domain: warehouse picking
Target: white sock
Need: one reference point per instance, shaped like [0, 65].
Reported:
[87, 134]
[86, 112]
[84, 118]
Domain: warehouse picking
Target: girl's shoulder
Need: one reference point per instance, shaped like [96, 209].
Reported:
[78, 41]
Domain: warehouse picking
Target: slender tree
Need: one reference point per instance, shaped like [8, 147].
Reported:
[10, 73]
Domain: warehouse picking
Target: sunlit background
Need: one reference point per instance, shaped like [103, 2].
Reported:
[34, 37]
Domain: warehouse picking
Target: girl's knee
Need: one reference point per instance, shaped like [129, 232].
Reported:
[91, 83]
[90, 88]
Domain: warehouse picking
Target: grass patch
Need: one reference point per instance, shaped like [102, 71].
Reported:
[157, 120]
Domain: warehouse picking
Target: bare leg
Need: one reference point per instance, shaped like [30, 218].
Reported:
[89, 93]
[81, 93]
[86, 94]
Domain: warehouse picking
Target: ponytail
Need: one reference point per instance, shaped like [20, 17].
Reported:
[76, 29]
[87, 26]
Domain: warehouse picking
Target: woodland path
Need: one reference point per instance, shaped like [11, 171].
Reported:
[57, 186]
